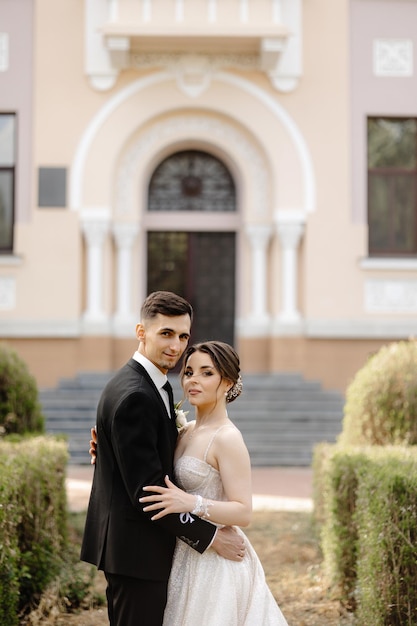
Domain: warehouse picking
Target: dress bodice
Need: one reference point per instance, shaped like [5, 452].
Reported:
[196, 476]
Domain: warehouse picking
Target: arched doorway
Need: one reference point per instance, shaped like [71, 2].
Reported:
[199, 265]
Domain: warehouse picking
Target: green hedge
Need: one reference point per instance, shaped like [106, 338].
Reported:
[335, 497]
[387, 557]
[9, 551]
[355, 490]
[33, 520]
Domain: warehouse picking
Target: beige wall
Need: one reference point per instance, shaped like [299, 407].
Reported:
[288, 152]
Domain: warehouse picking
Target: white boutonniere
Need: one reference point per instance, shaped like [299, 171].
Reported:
[180, 416]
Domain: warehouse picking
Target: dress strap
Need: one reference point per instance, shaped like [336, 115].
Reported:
[212, 439]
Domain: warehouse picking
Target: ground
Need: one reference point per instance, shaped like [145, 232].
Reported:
[290, 554]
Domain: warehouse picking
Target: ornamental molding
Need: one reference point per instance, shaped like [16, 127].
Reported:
[272, 46]
[184, 127]
[193, 73]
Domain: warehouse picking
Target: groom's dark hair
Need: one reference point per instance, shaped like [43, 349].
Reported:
[166, 303]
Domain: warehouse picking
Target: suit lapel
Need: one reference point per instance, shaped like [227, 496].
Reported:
[141, 370]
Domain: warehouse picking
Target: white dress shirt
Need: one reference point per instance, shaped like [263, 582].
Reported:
[158, 378]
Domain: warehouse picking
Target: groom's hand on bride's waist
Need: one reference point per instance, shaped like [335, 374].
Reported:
[229, 544]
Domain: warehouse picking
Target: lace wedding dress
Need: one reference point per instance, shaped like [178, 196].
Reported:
[207, 589]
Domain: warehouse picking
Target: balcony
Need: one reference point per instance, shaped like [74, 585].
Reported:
[256, 34]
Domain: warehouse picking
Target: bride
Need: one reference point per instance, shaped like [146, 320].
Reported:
[212, 467]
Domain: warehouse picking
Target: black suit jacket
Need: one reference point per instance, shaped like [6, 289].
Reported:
[136, 442]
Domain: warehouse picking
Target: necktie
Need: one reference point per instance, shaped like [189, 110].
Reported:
[168, 389]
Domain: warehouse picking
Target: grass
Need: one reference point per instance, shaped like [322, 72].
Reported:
[285, 543]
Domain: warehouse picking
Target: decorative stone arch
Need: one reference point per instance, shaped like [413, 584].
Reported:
[212, 129]
[261, 96]
[213, 134]
[223, 139]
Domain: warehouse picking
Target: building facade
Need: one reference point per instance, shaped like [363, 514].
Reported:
[257, 156]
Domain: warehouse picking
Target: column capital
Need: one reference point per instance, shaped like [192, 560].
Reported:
[290, 226]
[259, 234]
[95, 224]
[125, 233]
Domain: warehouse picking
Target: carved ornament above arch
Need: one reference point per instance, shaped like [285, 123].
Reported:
[179, 128]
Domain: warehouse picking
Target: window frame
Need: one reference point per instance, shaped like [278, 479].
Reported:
[391, 175]
[8, 247]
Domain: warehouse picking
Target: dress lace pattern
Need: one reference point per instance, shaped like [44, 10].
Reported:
[207, 589]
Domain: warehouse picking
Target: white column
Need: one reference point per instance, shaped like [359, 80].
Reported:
[290, 227]
[243, 11]
[113, 10]
[179, 10]
[146, 10]
[95, 227]
[212, 10]
[259, 235]
[124, 236]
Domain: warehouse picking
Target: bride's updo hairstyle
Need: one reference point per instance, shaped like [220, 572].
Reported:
[225, 360]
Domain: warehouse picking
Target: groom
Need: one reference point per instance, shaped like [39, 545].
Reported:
[137, 434]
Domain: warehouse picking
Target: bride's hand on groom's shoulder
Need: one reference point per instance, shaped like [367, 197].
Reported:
[166, 500]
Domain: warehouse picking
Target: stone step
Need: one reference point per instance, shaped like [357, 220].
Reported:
[281, 416]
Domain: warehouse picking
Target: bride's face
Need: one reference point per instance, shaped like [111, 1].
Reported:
[202, 383]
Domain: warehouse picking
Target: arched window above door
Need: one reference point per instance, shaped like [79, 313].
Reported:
[192, 180]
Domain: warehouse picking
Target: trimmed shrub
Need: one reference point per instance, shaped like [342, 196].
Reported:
[322, 453]
[381, 401]
[42, 537]
[339, 533]
[20, 411]
[33, 520]
[9, 550]
[356, 506]
[387, 559]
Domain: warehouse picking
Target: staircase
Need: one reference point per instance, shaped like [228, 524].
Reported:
[281, 416]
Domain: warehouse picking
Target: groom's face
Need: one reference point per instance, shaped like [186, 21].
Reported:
[163, 339]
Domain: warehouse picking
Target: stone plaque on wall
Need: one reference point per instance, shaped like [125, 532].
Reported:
[391, 296]
[4, 52]
[7, 293]
[393, 57]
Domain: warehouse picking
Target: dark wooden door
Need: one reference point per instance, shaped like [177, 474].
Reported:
[200, 266]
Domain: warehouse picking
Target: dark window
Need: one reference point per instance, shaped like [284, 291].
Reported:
[191, 180]
[392, 186]
[7, 179]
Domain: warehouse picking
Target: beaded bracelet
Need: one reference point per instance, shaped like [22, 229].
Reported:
[206, 512]
[201, 508]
